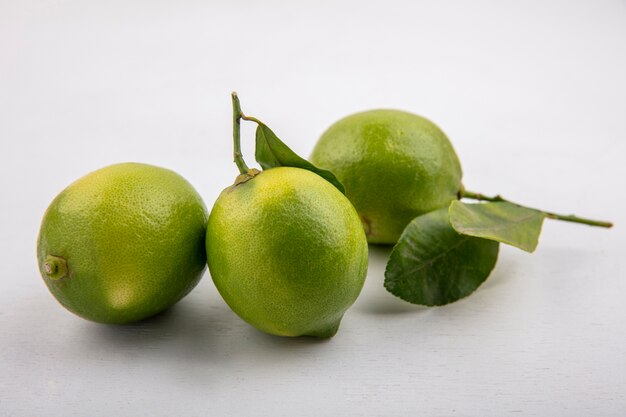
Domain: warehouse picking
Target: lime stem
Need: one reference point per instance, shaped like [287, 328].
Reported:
[550, 215]
[237, 115]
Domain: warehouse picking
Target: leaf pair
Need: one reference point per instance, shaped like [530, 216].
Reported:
[445, 255]
[271, 152]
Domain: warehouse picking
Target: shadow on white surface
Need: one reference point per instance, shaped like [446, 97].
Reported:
[200, 330]
[183, 327]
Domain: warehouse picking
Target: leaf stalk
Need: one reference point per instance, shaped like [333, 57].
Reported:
[237, 116]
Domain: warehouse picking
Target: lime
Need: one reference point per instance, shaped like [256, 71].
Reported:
[287, 252]
[394, 165]
[123, 243]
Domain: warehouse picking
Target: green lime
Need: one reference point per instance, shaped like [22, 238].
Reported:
[287, 252]
[394, 165]
[123, 243]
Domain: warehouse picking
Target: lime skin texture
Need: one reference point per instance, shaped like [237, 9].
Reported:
[287, 252]
[394, 165]
[123, 243]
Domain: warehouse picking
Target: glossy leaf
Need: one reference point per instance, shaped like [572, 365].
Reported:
[434, 265]
[503, 222]
[272, 152]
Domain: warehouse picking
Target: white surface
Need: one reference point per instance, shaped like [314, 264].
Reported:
[532, 94]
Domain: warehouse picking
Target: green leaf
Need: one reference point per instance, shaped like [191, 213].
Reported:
[503, 222]
[272, 152]
[434, 265]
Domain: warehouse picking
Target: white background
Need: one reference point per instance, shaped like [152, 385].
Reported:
[531, 93]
